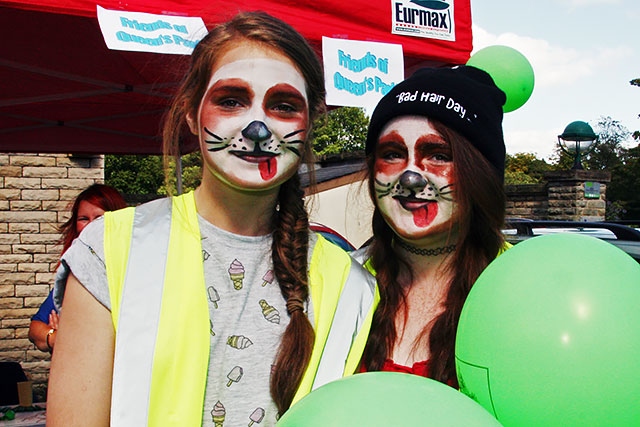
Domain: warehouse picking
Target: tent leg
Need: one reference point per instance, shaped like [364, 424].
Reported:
[179, 174]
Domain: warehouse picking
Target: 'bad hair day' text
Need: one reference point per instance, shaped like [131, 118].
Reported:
[442, 100]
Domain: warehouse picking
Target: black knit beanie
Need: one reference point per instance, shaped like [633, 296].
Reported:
[463, 98]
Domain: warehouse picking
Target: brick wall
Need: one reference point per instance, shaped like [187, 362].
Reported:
[35, 196]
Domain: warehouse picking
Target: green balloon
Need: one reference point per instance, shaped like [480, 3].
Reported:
[386, 399]
[510, 70]
[550, 335]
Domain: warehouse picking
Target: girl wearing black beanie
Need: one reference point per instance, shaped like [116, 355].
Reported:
[435, 157]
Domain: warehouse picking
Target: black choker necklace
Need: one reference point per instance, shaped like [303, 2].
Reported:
[426, 252]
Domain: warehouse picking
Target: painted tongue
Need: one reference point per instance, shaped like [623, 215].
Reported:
[268, 168]
[423, 216]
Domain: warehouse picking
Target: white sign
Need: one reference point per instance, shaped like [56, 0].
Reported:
[432, 19]
[357, 73]
[146, 32]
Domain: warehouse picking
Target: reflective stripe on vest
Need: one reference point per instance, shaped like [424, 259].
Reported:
[344, 297]
[139, 313]
[354, 305]
[162, 382]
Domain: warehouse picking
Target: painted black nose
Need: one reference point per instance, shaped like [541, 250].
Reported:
[412, 180]
[256, 131]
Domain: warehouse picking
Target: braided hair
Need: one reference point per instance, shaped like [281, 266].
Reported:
[290, 222]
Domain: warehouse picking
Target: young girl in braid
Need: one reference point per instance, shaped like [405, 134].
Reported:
[217, 307]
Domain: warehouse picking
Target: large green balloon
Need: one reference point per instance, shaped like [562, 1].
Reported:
[550, 335]
[386, 399]
[510, 70]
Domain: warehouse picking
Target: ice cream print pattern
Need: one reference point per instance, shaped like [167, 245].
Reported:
[269, 312]
[247, 318]
[236, 274]
[218, 414]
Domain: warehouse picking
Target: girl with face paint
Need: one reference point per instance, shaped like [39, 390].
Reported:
[217, 306]
[435, 157]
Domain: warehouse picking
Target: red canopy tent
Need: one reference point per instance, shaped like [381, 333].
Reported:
[62, 90]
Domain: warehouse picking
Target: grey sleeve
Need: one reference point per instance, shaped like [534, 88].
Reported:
[85, 259]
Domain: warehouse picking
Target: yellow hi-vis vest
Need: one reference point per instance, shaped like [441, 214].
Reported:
[153, 258]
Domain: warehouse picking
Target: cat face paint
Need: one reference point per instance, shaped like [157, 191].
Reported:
[413, 178]
[253, 118]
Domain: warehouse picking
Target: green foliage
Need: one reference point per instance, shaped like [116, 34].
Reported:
[343, 130]
[561, 160]
[636, 134]
[614, 211]
[625, 181]
[191, 174]
[608, 151]
[524, 168]
[144, 174]
[134, 174]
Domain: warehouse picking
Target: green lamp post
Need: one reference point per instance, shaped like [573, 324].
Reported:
[577, 140]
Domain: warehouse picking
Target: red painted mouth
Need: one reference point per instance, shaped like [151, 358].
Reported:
[268, 168]
[424, 211]
[267, 163]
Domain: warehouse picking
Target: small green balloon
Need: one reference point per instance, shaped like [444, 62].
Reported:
[385, 399]
[550, 335]
[510, 70]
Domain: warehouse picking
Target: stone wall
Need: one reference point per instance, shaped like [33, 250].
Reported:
[561, 197]
[35, 196]
[527, 201]
[567, 195]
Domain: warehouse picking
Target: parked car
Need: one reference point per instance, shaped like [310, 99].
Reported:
[625, 237]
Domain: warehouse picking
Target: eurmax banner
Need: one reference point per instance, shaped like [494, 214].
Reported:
[357, 73]
[432, 19]
[146, 32]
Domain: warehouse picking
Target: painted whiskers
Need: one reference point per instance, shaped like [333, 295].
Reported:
[430, 192]
[268, 146]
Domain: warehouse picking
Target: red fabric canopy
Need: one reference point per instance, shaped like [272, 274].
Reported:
[63, 91]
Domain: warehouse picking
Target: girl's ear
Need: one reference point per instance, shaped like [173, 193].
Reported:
[193, 124]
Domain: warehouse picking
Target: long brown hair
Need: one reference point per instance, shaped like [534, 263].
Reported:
[480, 204]
[103, 196]
[290, 223]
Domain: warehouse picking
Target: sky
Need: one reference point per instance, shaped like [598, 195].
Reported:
[583, 53]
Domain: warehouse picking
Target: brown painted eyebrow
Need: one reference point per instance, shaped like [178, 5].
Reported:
[232, 86]
[285, 89]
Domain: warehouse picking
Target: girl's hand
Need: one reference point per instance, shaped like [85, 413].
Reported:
[54, 319]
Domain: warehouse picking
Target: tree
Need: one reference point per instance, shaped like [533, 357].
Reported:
[609, 150]
[524, 168]
[191, 174]
[622, 191]
[636, 134]
[343, 130]
[134, 174]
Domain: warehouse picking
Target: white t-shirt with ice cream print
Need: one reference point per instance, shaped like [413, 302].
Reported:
[247, 316]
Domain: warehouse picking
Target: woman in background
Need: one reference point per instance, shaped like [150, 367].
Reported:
[90, 204]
